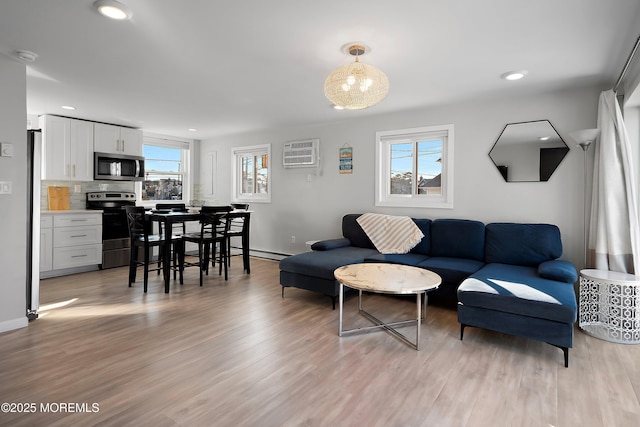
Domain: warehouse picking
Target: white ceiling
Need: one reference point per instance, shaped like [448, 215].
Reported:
[235, 66]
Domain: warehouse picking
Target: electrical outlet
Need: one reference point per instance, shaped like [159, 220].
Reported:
[6, 149]
[293, 239]
[5, 187]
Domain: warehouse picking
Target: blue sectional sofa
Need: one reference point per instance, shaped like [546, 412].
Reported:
[504, 277]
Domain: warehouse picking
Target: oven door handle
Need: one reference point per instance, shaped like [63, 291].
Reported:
[137, 168]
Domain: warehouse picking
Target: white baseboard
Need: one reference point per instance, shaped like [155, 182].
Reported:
[10, 325]
[66, 271]
[266, 254]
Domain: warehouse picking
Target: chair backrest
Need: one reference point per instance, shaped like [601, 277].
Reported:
[175, 207]
[214, 224]
[137, 222]
[180, 207]
[214, 209]
[240, 206]
[238, 223]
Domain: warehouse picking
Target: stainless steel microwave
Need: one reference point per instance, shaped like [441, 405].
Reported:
[118, 167]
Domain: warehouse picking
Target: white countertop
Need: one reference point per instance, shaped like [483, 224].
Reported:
[70, 211]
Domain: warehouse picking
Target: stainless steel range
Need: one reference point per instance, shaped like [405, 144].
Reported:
[115, 231]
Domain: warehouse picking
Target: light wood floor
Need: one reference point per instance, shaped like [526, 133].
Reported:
[236, 354]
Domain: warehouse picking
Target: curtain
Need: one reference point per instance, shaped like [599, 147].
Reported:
[614, 232]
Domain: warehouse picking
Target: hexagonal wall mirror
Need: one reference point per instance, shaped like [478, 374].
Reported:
[528, 151]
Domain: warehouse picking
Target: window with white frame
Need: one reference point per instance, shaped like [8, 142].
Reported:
[166, 176]
[251, 174]
[414, 167]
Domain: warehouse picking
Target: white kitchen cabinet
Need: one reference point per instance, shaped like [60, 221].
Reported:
[117, 140]
[77, 240]
[46, 243]
[67, 149]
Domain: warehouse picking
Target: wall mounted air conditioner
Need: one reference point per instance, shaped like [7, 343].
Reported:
[301, 154]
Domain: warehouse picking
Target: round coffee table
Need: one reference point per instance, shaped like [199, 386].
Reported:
[386, 279]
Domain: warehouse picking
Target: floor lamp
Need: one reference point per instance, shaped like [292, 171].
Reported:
[585, 138]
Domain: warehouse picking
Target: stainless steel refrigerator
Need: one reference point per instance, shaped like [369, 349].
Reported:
[34, 161]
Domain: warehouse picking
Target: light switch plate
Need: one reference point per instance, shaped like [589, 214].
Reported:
[6, 149]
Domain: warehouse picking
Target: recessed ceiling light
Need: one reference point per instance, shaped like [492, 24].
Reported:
[544, 138]
[192, 130]
[26, 56]
[113, 9]
[514, 75]
[337, 107]
[68, 107]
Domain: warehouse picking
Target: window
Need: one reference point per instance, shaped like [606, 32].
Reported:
[251, 181]
[166, 170]
[415, 167]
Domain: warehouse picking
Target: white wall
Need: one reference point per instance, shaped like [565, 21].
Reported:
[13, 207]
[312, 209]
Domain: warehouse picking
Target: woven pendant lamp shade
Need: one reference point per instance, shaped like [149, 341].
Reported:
[356, 86]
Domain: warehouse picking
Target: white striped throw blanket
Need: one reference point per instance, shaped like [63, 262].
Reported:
[390, 234]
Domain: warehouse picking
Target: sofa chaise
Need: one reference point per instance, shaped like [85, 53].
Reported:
[522, 289]
[504, 277]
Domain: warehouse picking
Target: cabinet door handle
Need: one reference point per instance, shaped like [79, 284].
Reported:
[74, 170]
[123, 145]
[78, 256]
[79, 220]
[80, 235]
[67, 173]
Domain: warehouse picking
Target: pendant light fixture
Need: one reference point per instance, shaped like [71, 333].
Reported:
[356, 85]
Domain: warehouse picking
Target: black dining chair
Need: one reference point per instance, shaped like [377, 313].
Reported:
[239, 227]
[141, 237]
[176, 235]
[214, 226]
[216, 209]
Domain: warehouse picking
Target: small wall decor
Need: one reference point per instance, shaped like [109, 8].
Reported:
[346, 159]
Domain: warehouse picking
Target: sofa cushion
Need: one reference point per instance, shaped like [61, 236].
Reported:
[522, 244]
[562, 271]
[404, 259]
[323, 263]
[326, 245]
[424, 247]
[352, 231]
[519, 290]
[452, 270]
[459, 238]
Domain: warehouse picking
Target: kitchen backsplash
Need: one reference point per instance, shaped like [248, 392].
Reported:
[78, 199]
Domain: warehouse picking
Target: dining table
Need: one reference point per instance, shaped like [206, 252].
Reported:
[168, 218]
